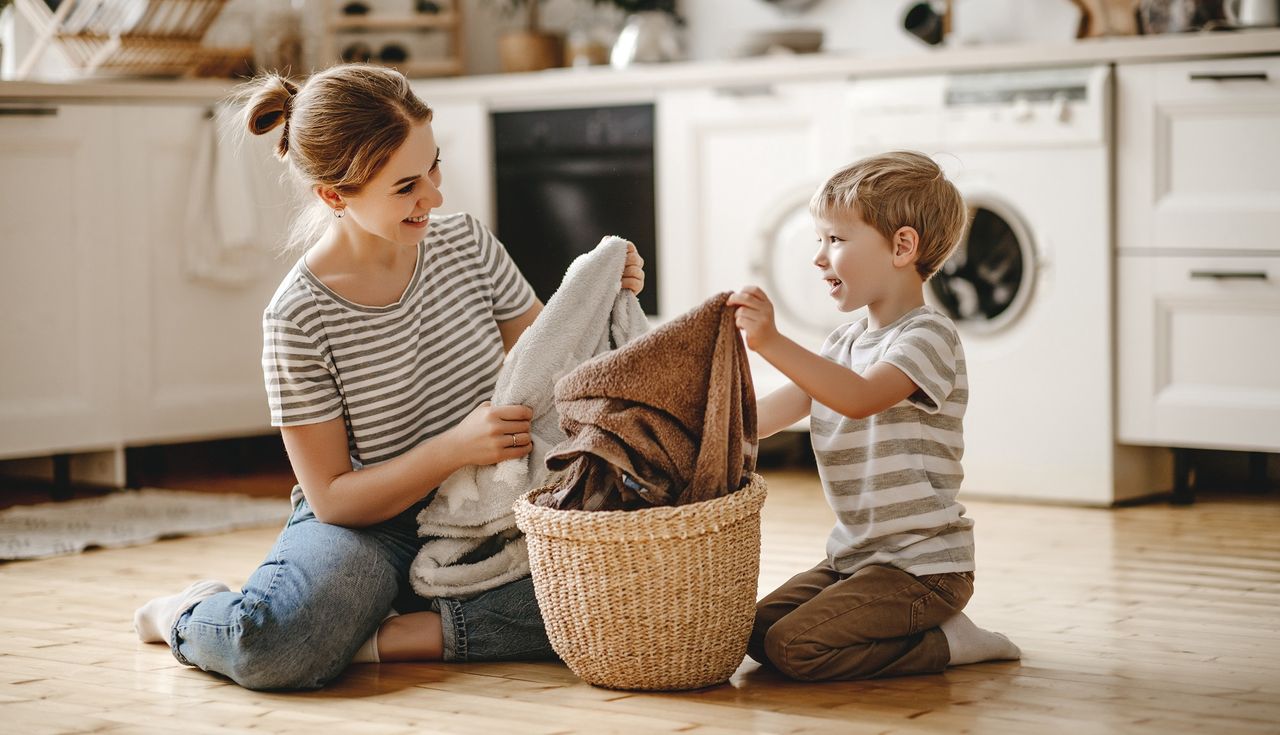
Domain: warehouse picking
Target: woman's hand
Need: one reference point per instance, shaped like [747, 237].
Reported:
[491, 434]
[633, 271]
[754, 316]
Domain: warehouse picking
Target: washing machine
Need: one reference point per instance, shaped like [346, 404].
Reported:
[1029, 287]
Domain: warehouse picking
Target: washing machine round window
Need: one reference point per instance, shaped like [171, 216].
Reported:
[986, 284]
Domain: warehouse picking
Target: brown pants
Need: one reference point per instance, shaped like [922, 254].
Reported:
[879, 621]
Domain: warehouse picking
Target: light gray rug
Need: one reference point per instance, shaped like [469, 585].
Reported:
[128, 518]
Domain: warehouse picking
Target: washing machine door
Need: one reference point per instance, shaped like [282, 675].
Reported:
[986, 285]
[784, 264]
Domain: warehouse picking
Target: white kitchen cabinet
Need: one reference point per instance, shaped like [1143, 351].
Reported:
[727, 160]
[1198, 156]
[1198, 351]
[1198, 276]
[110, 338]
[191, 344]
[60, 280]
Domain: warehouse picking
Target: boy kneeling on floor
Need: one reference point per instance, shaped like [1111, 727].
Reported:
[886, 398]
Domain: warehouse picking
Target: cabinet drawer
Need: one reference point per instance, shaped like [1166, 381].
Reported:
[1198, 160]
[1198, 348]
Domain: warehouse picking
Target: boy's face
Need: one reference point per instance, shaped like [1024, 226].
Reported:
[855, 259]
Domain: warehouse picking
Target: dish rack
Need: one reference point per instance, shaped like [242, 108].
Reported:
[121, 37]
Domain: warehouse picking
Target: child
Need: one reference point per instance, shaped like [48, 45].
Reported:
[380, 348]
[886, 398]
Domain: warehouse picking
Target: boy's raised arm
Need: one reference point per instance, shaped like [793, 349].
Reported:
[833, 385]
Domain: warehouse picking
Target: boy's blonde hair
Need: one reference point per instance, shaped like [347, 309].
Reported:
[899, 189]
[337, 129]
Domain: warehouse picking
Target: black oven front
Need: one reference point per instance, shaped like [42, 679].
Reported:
[568, 177]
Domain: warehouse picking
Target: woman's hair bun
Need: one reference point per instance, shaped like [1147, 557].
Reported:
[269, 106]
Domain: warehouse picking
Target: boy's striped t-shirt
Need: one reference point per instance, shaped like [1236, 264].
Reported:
[402, 373]
[892, 478]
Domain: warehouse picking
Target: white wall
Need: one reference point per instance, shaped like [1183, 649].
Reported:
[714, 29]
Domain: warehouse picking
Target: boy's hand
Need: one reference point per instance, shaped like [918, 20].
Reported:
[754, 317]
[633, 271]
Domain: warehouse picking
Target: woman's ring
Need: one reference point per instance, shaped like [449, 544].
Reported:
[514, 444]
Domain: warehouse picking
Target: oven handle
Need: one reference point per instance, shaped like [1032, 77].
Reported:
[28, 111]
[1244, 76]
[1231, 275]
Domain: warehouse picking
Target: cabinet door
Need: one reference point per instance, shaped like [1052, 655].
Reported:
[60, 283]
[727, 160]
[1198, 351]
[462, 132]
[193, 336]
[1198, 158]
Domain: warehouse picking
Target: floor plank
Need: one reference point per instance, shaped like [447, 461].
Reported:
[1151, 619]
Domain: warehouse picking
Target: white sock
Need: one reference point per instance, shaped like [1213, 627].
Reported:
[971, 644]
[367, 653]
[154, 621]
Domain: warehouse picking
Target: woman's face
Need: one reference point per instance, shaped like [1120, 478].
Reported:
[394, 205]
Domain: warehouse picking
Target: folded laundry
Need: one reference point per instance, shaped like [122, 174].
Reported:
[668, 419]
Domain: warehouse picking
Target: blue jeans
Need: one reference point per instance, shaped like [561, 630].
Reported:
[324, 589]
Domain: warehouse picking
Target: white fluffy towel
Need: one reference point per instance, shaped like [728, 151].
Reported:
[589, 314]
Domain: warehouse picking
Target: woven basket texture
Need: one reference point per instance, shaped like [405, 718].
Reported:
[655, 599]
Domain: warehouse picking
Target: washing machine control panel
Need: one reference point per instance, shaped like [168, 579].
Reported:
[1056, 106]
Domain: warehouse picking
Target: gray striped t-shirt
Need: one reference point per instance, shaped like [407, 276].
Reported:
[397, 374]
[892, 478]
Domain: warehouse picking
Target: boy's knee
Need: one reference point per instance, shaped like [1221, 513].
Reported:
[785, 653]
[806, 659]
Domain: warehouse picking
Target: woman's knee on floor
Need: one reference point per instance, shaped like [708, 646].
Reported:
[284, 665]
[303, 616]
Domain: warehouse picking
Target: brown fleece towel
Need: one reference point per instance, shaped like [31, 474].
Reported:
[668, 419]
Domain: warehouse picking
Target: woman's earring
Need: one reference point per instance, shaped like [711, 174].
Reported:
[340, 213]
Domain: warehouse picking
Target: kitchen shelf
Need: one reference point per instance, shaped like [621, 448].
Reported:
[392, 22]
[156, 38]
[339, 27]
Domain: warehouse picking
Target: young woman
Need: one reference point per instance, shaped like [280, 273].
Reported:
[380, 348]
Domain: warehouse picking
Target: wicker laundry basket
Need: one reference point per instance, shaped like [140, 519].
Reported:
[660, 599]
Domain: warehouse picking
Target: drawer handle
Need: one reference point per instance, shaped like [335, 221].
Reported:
[1231, 275]
[1244, 76]
[28, 111]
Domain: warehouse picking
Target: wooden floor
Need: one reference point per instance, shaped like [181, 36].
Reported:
[1152, 619]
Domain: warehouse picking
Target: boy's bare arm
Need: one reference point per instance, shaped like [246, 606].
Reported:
[835, 386]
[851, 394]
[780, 409]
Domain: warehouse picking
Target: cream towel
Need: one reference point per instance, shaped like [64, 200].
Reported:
[589, 314]
[224, 244]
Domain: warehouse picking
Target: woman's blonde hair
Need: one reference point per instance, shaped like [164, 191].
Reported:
[899, 189]
[338, 129]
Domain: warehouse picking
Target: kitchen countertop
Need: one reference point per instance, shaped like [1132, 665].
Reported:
[507, 89]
